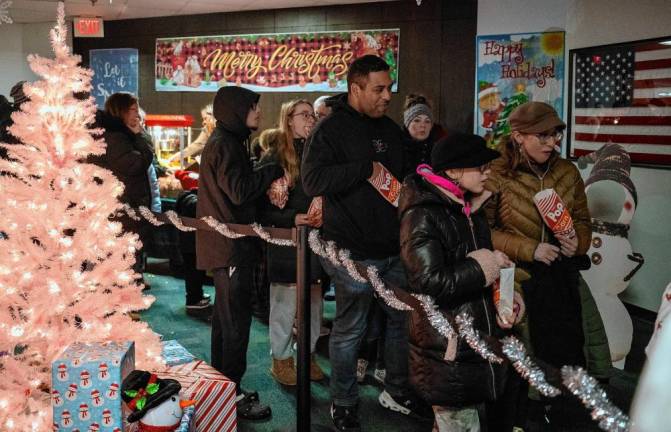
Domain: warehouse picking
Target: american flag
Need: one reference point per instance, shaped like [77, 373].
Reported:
[623, 95]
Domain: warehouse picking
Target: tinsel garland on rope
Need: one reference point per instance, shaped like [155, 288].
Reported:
[346, 260]
[265, 235]
[221, 228]
[385, 294]
[514, 350]
[466, 330]
[587, 389]
[175, 220]
[435, 317]
[610, 418]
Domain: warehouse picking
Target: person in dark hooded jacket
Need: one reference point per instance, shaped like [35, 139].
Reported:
[446, 250]
[128, 154]
[228, 191]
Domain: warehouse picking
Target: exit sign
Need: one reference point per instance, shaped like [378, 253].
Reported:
[89, 27]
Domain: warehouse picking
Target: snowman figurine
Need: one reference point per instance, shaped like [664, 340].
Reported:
[154, 402]
[611, 198]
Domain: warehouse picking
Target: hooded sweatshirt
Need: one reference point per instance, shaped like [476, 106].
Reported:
[337, 163]
[228, 186]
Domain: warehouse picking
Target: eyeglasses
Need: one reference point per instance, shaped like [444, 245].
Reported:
[546, 137]
[306, 116]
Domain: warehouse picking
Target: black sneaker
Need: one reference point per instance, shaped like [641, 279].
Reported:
[202, 304]
[345, 418]
[407, 405]
[250, 408]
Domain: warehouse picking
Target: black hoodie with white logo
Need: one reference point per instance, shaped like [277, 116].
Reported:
[228, 187]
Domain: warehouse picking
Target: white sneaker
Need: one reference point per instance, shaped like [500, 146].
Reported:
[361, 366]
[380, 375]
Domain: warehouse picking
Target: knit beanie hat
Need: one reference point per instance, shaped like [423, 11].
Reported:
[415, 110]
[611, 162]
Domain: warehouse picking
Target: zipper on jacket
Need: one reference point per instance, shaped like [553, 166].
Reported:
[484, 306]
[541, 178]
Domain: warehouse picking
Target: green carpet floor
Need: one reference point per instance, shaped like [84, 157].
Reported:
[167, 317]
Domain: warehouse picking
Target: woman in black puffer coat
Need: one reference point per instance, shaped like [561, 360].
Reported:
[446, 250]
[128, 154]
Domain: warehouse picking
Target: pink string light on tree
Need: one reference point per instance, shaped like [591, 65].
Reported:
[65, 268]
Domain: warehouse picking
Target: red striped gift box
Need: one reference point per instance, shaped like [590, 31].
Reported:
[213, 392]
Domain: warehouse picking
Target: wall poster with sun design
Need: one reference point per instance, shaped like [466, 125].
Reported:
[513, 69]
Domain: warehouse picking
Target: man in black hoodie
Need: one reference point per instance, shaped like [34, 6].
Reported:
[344, 151]
[228, 191]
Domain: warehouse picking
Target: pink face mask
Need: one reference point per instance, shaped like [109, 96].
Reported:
[427, 172]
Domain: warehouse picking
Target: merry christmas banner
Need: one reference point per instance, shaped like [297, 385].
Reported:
[514, 69]
[277, 62]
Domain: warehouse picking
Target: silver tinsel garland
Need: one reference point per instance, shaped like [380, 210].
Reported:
[435, 317]
[515, 351]
[175, 220]
[130, 211]
[586, 388]
[385, 294]
[466, 330]
[221, 228]
[265, 235]
[316, 244]
[346, 261]
[147, 214]
[332, 253]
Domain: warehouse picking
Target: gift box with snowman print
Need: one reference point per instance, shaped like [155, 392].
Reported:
[85, 386]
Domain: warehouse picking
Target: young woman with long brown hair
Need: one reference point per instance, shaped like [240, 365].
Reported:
[285, 148]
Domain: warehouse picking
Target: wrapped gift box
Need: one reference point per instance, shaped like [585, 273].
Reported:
[85, 385]
[213, 392]
[175, 354]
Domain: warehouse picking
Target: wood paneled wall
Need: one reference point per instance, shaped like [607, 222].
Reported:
[437, 51]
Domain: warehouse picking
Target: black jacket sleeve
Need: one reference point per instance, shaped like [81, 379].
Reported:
[238, 181]
[128, 155]
[428, 264]
[322, 174]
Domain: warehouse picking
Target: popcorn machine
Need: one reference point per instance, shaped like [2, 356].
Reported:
[170, 134]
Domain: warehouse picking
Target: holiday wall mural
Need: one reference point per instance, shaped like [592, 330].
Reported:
[514, 69]
[277, 62]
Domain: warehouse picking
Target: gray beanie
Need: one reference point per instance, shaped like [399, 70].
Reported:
[414, 111]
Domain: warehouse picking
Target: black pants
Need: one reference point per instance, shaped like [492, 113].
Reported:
[231, 321]
[194, 279]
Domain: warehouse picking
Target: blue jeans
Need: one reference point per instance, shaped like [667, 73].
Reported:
[353, 301]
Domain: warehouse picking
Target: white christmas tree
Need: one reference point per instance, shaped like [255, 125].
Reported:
[65, 266]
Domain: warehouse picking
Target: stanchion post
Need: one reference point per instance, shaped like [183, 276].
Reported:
[303, 328]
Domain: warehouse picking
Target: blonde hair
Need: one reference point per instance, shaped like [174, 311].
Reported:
[209, 122]
[286, 153]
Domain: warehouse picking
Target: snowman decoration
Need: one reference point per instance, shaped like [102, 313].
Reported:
[154, 402]
[113, 391]
[612, 199]
[85, 379]
[71, 393]
[84, 413]
[62, 374]
[56, 399]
